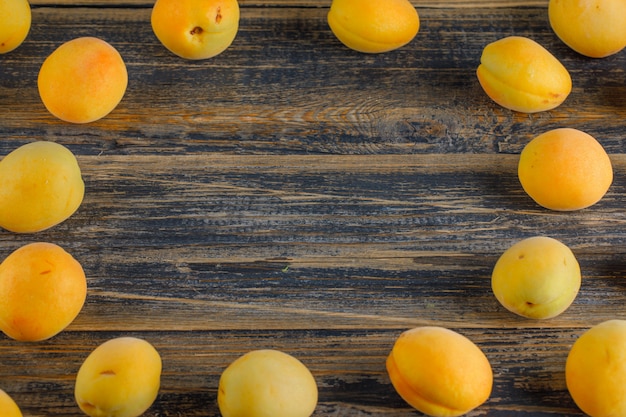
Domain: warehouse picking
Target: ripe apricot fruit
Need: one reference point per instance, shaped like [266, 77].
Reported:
[538, 277]
[595, 370]
[373, 26]
[15, 21]
[83, 80]
[119, 378]
[40, 186]
[594, 28]
[565, 169]
[439, 372]
[8, 407]
[195, 29]
[264, 383]
[42, 290]
[521, 75]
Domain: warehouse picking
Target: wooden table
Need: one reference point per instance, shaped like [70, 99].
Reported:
[293, 194]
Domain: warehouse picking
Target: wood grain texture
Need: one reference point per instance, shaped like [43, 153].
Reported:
[293, 194]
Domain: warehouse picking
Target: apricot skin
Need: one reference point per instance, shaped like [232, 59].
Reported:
[8, 407]
[196, 29]
[120, 378]
[83, 80]
[267, 383]
[595, 370]
[537, 277]
[565, 169]
[40, 186]
[439, 372]
[373, 26]
[42, 290]
[521, 75]
[594, 28]
[15, 21]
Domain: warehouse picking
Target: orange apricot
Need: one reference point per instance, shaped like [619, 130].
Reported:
[8, 407]
[83, 80]
[439, 371]
[40, 186]
[595, 370]
[42, 290]
[565, 169]
[195, 29]
[15, 21]
[594, 28]
[521, 75]
[373, 26]
[538, 277]
[119, 378]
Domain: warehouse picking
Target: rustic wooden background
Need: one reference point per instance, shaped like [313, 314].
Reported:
[293, 194]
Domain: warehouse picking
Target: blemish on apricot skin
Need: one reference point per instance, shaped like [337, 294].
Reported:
[196, 31]
[108, 372]
[47, 271]
[218, 15]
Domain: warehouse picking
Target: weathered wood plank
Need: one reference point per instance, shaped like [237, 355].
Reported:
[348, 367]
[287, 85]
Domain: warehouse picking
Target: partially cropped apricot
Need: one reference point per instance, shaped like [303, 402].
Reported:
[519, 74]
[439, 371]
[565, 169]
[595, 370]
[15, 21]
[265, 383]
[373, 26]
[83, 80]
[40, 186]
[42, 290]
[594, 28]
[196, 29]
[8, 407]
[120, 378]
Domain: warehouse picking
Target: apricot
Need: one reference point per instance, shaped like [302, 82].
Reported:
[521, 75]
[594, 28]
[538, 277]
[40, 186]
[565, 169]
[8, 408]
[15, 21]
[83, 80]
[595, 370]
[120, 378]
[42, 290]
[195, 29]
[439, 372]
[265, 383]
[373, 26]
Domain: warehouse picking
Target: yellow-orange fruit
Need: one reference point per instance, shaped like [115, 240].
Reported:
[264, 383]
[595, 28]
[519, 74]
[8, 407]
[595, 370]
[42, 290]
[373, 26]
[120, 378]
[40, 186]
[538, 278]
[83, 80]
[195, 29]
[565, 169]
[15, 21]
[439, 371]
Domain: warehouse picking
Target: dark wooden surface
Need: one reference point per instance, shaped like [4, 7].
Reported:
[293, 194]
